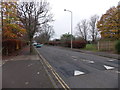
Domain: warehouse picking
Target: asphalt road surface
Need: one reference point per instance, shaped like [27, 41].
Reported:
[80, 70]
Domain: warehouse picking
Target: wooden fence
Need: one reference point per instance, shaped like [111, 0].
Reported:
[106, 45]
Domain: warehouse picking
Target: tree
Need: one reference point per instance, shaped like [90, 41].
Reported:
[46, 33]
[11, 26]
[33, 15]
[82, 29]
[66, 37]
[109, 24]
[93, 29]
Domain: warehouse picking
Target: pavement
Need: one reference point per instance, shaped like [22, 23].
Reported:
[22, 70]
[104, 54]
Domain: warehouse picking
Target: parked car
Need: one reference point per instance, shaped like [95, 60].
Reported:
[39, 45]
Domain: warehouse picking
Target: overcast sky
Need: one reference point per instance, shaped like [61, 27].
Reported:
[82, 9]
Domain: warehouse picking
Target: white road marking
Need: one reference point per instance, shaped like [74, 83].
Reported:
[108, 67]
[30, 65]
[26, 83]
[83, 59]
[73, 56]
[111, 60]
[91, 62]
[117, 71]
[76, 73]
[38, 72]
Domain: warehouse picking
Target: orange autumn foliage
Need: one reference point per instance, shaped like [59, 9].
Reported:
[12, 26]
[109, 24]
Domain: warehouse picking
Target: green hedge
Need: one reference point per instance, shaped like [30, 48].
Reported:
[117, 46]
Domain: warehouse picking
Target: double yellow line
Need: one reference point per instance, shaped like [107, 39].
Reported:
[58, 78]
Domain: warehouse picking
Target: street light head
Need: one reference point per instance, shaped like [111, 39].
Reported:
[64, 9]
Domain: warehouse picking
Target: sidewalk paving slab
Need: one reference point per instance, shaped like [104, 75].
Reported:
[24, 71]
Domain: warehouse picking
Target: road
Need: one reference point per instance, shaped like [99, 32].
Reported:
[94, 71]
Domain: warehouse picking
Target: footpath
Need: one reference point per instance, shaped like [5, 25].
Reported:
[104, 54]
[22, 70]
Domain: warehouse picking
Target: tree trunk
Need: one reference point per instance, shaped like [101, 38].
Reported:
[31, 48]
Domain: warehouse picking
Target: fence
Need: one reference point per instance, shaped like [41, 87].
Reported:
[106, 45]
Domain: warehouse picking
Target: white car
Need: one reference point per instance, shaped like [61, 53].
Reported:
[34, 44]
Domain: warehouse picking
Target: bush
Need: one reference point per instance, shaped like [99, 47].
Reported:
[11, 45]
[79, 44]
[76, 44]
[117, 46]
[54, 43]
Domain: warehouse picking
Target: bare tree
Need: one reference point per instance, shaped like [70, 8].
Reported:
[46, 33]
[82, 29]
[93, 28]
[33, 15]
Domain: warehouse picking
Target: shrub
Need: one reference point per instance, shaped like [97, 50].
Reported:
[79, 44]
[76, 44]
[11, 45]
[53, 43]
[117, 46]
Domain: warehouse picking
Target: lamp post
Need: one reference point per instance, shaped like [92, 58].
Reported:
[71, 26]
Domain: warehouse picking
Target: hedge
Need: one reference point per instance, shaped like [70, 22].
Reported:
[117, 46]
[11, 45]
[76, 44]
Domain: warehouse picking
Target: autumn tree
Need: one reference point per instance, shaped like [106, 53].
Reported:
[82, 29]
[93, 29]
[109, 24]
[11, 26]
[33, 15]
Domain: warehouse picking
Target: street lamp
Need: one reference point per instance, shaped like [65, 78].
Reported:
[71, 27]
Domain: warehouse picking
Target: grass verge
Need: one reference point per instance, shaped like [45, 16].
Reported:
[91, 47]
